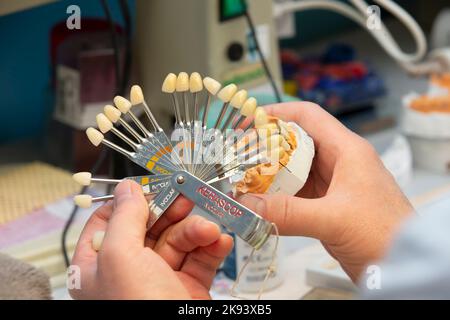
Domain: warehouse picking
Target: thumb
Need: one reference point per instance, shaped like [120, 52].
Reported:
[293, 216]
[130, 213]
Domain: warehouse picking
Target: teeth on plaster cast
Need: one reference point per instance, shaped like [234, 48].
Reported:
[82, 178]
[170, 83]
[212, 85]
[112, 113]
[239, 99]
[182, 83]
[227, 93]
[83, 200]
[249, 107]
[260, 117]
[103, 123]
[284, 144]
[136, 95]
[94, 136]
[276, 154]
[97, 240]
[274, 141]
[284, 128]
[195, 82]
[271, 127]
[122, 104]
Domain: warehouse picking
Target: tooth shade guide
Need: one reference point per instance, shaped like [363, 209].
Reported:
[212, 88]
[83, 200]
[261, 117]
[139, 124]
[105, 126]
[136, 95]
[131, 130]
[249, 107]
[170, 83]
[137, 98]
[182, 83]
[236, 102]
[103, 123]
[97, 138]
[227, 92]
[122, 104]
[239, 99]
[94, 136]
[83, 178]
[211, 85]
[231, 98]
[112, 113]
[195, 82]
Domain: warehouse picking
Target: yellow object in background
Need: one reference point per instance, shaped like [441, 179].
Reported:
[290, 87]
[27, 187]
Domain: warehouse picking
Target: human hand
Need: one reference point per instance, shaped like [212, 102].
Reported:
[176, 259]
[350, 201]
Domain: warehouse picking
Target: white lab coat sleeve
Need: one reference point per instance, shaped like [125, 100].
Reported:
[418, 263]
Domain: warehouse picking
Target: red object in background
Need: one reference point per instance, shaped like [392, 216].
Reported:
[61, 33]
[97, 76]
[290, 57]
[345, 71]
[307, 81]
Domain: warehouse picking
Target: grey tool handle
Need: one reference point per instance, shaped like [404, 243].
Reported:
[249, 226]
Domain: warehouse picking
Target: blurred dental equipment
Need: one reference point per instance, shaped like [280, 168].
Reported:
[367, 16]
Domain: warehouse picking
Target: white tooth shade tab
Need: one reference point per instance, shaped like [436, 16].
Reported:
[97, 240]
[94, 136]
[249, 107]
[103, 123]
[213, 86]
[182, 82]
[227, 93]
[122, 104]
[136, 95]
[170, 83]
[112, 113]
[260, 117]
[82, 178]
[83, 200]
[239, 99]
[195, 82]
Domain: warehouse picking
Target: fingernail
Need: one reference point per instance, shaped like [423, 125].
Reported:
[122, 192]
[253, 202]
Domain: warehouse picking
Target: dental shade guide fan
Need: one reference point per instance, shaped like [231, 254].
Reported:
[197, 156]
